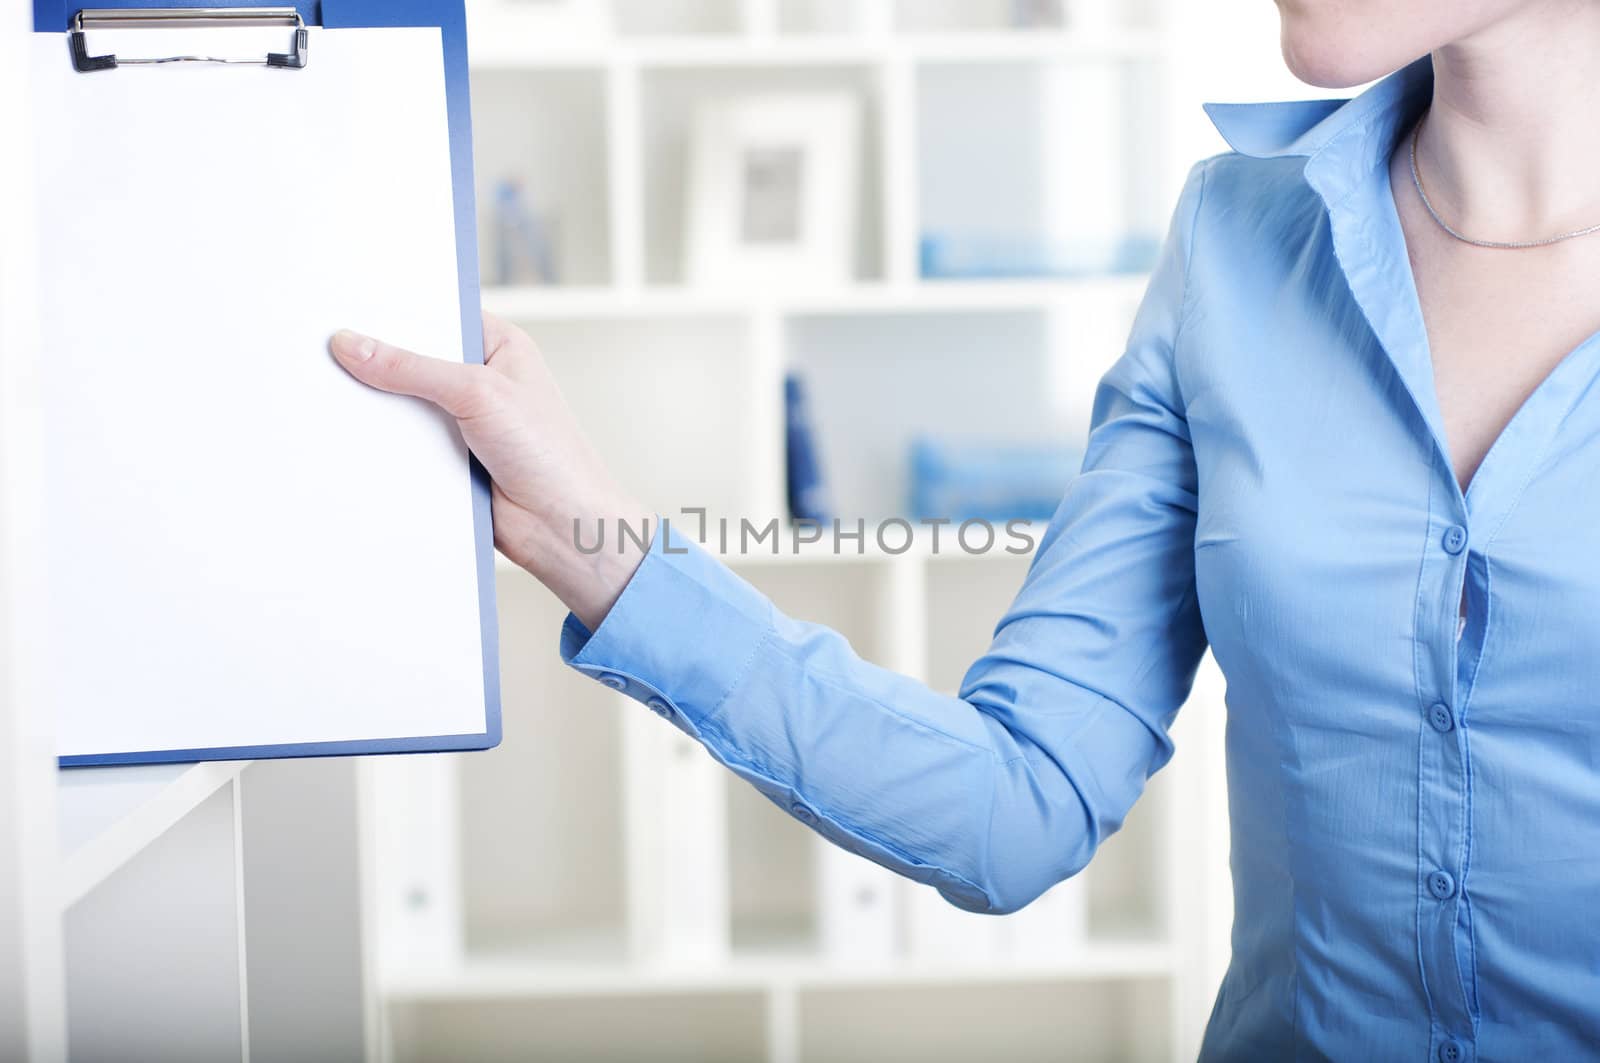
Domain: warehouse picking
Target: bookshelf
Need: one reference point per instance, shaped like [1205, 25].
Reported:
[598, 888]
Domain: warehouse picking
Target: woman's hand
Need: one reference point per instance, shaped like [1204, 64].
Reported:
[545, 474]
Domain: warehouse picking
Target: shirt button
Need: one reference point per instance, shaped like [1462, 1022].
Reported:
[615, 682]
[803, 814]
[659, 707]
[1455, 537]
[1441, 717]
[1441, 885]
[1451, 1052]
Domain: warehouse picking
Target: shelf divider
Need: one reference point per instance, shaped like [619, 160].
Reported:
[108, 815]
[624, 145]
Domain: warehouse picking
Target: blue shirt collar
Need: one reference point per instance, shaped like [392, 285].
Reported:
[1346, 146]
[1341, 138]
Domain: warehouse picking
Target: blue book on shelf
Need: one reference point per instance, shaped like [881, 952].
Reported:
[523, 254]
[960, 480]
[808, 499]
[952, 256]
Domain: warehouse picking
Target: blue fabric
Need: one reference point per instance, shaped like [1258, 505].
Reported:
[1415, 818]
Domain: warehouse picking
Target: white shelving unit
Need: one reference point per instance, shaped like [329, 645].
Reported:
[597, 887]
[201, 912]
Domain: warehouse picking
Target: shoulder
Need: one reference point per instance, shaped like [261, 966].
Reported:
[1237, 195]
[1246, 221]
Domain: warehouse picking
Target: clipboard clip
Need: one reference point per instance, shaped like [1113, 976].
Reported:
[186, 17]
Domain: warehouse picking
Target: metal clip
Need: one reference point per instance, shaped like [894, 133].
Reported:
[184, 17]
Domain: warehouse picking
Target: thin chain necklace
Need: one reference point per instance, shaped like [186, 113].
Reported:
[1416, 179]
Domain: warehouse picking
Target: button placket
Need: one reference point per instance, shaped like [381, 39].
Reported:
[1441, 782]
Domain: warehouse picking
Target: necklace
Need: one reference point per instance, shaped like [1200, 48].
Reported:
[1416, 179]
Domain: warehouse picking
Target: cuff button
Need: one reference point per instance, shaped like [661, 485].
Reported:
[615, 682]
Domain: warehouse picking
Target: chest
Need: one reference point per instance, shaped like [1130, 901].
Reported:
[1498, 323]
[1322, 509]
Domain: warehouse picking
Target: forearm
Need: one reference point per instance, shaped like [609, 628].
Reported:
[952, 791]
[578, 550]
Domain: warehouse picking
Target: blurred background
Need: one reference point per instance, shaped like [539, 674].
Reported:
[822, 259]
[899, 241]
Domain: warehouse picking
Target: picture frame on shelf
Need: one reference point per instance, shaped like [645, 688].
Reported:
[772, 190]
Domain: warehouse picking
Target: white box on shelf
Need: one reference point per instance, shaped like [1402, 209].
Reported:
[677, 859]
[939, 932]
[1052, 927]
[856, 908]
[415, 810]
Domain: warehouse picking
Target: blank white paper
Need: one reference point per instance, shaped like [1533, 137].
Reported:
[246, 546]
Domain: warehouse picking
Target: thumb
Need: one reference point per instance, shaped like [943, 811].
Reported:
[452, 386]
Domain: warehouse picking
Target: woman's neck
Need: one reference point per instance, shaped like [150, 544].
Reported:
[1511, 145]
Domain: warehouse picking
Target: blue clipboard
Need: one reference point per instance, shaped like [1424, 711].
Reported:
[54, 16]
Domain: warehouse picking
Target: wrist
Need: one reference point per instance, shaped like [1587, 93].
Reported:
[585, 555]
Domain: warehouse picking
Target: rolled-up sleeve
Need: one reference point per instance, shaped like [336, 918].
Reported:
[996, 793]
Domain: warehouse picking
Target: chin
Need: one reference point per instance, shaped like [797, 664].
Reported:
[1331, 60]
[1336, 44]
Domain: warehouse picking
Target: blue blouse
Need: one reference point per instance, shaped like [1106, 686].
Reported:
[1415, 815]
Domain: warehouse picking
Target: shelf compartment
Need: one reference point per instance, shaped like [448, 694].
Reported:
[653, 18]
[109, 815]
[529, 118]
[158, 944]
[638, 388]
[669, 97]
[1067, 187]
[967, 596]
[831, 17]
[553, 786]
[1019, 1021]
[876, 382]
[666, 1027]
[771, 876]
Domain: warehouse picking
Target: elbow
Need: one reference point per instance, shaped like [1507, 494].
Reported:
[1037, 836]
[1003, 897]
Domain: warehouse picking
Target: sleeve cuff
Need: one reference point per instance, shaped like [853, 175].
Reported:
[681, 635]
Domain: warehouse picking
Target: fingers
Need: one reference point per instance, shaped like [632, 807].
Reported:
[453, 386]
[499, 337]
[510, 351]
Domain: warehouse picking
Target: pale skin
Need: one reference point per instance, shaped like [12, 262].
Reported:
[1508, 151]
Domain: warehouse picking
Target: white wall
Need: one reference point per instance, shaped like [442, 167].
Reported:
[1229, 53]
[31, 1015]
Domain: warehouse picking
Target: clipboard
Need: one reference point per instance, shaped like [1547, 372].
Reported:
[477, 726]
